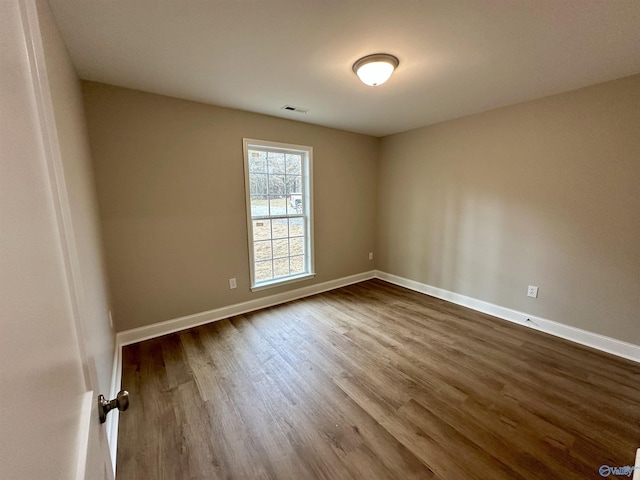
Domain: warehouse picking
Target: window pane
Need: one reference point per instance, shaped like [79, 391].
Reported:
[296, 227]
[280, 267]
[276, 163]
[257, 161]
[296, 246]
[262, 250]
[297, 264]
[263, 271]
[279, 193]
[293, 184]
[281, 248]
[294, 164]
[280, 228]
[278, 205]
[262, 230]
[295, 204]
[259, 206]
[295, 198]
[277, 185]
[259, 184]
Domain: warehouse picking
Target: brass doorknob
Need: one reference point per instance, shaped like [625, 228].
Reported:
[121, 402]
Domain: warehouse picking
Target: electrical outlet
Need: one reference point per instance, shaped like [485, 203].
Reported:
[532, 291]
[370, 255]
[232, 283]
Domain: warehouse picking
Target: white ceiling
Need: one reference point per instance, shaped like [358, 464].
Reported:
[457, 57]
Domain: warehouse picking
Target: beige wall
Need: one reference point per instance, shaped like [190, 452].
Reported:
[543, 193]
[170, 184]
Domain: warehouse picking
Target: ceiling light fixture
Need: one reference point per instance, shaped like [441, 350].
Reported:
[375, 69]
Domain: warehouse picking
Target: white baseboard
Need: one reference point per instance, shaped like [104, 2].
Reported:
[577, 335]
[136, 335]
[583, 337]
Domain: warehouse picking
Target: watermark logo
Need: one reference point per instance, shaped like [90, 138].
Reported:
[627, 470]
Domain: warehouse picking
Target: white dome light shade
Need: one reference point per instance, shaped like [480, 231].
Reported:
[375, 69]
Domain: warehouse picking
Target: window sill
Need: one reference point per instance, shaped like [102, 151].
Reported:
[279, 283]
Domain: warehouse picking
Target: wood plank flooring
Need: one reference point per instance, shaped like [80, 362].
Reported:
[373, 381]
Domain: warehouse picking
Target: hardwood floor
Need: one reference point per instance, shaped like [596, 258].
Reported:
[373, 381]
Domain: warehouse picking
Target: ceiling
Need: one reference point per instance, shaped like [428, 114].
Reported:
[457, 57]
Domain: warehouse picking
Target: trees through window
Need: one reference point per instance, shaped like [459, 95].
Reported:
[278, 187]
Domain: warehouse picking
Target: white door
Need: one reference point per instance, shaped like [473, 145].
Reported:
[49, 426]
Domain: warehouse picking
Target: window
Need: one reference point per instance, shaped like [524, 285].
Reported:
[279, 209]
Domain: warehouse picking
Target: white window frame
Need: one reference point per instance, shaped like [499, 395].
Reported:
[307, 192]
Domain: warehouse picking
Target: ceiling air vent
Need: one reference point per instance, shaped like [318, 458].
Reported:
[291, 108]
